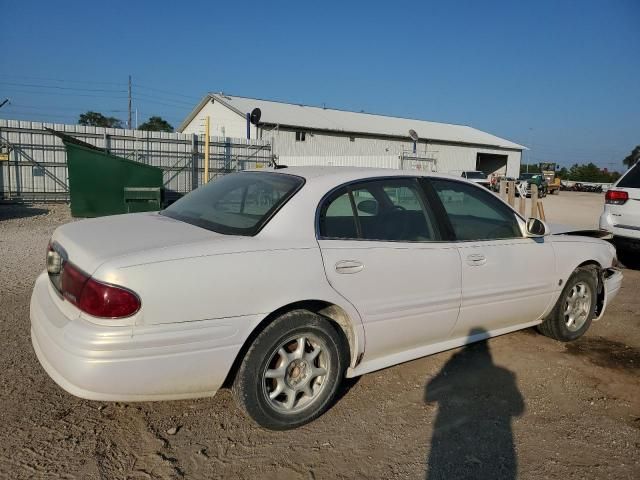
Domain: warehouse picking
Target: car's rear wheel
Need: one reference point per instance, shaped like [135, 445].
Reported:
[572, 315]
[292, 371]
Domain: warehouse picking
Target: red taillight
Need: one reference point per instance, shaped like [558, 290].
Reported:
[96, 298]
[73, 282]
[616, 197]
[102, 300]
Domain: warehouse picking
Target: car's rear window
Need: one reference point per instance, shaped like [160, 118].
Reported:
[631, 178]
[236, 204]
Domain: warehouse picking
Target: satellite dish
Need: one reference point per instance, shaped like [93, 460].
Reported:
[255, 116]
[413, 135]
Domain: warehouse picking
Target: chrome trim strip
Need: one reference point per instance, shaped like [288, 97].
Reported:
[628, 227]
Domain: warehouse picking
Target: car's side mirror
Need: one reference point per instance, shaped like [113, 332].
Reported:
[368, 206]
[536, 228]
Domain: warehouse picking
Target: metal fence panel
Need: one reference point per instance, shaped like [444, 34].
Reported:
[35, 167]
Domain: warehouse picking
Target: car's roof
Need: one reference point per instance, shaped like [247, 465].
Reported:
[348, 173]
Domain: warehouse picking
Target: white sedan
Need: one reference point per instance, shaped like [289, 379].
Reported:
[282, 282]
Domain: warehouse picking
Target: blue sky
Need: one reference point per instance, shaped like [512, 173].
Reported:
[562, 77]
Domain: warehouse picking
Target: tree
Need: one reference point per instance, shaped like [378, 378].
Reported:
[590, 173]
[631, 159]
[96, 119]
[156, 124]
[563, 173]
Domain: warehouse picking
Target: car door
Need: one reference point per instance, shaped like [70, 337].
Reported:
[507, 278]
[382, 251]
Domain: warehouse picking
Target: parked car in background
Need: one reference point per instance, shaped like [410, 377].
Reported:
[477, 177]
[621, 215]
[534, 179]
[281, 282]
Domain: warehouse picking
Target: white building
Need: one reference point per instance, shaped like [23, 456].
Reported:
[304, 135]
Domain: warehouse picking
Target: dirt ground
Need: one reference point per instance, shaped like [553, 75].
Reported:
[548, 410]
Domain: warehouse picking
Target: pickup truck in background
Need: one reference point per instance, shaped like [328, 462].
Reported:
[534, 179]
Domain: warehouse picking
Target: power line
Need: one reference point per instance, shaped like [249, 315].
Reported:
[190, 97]
[31, 115]
[57, 87]
[44, 107]
[61, 94]
[171, 100]
[146, 100]
[46, 79]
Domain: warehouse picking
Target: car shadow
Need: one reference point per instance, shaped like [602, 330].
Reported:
[13, 211]
[630, 259]
[472, 435]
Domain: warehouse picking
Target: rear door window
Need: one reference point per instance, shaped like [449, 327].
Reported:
[385, 210]
[336, 218]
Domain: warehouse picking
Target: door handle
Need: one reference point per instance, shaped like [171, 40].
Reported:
[349, 266]
[476, 259]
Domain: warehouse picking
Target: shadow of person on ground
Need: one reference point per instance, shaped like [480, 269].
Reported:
[472, 436]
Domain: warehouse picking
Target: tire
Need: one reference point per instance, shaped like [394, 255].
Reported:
[280, 383]
[559, 325]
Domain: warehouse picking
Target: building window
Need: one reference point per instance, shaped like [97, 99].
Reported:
[300, 136]
[352, 139]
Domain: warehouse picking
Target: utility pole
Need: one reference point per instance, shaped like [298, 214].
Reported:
[129, 122]
[530, 153]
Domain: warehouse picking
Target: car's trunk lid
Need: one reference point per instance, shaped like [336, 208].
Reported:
[89, 243]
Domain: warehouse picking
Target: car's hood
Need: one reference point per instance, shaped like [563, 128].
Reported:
[89, 243]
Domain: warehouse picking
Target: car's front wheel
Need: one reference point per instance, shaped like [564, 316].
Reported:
[572, 314]
[292, 370]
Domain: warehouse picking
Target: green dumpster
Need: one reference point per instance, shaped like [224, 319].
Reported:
[104, 184]
[142, 199]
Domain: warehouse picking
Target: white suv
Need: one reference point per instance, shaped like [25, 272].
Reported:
[621, 215]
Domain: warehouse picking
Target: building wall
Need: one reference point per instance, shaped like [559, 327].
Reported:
[339, 149]
[336, 149]
[223, 122]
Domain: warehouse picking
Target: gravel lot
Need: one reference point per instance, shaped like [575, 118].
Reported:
[563, 411]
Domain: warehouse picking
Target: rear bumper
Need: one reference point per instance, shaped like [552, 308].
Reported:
[156, 362]
[618, 228]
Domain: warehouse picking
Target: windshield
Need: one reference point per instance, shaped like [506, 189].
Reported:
[476, 175]
[236, 204]
[527, 176]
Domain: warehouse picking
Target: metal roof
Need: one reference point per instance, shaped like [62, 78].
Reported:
[328, 119]
[350, 173]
